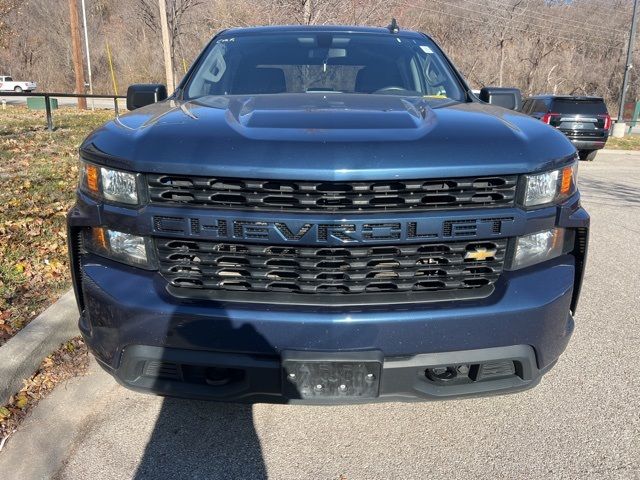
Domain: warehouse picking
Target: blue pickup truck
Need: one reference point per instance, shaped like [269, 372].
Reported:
[326, 215]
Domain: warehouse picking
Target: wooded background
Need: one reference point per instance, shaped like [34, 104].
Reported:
[541, 46]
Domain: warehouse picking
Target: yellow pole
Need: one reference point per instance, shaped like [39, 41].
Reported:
[184, 65]
[113, 75]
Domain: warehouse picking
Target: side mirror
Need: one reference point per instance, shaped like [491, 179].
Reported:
[510, 98]
[143, 94]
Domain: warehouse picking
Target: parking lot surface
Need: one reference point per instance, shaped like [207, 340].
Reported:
[582, 421]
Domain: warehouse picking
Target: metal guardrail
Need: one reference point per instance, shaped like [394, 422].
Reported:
[47, 105]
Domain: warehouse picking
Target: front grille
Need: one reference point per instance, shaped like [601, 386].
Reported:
[205, 265]
[481, 192]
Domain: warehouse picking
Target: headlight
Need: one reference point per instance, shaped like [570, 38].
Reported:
[541, 246]
[119, 246]
[550, 187]
[108, 184]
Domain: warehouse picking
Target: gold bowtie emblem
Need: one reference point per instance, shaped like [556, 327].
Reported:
[480, 254]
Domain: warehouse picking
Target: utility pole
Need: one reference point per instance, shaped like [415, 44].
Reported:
[166, 46]
[76, 47]
[86, 45]
[620, 126]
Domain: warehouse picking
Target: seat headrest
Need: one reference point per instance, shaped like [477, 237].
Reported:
[373, 78]
[257, 80]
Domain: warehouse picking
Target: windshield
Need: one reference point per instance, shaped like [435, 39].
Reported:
[321, 62]
[579, 107]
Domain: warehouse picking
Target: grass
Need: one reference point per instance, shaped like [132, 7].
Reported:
[629, 142]
[38, 175]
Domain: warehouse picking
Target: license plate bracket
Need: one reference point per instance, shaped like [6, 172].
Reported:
[323, 376]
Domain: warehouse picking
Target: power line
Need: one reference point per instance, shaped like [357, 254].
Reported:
[500, 17]
[471, 19]
[523, 22]
[551, 16]
[528, 24]
[604, 3]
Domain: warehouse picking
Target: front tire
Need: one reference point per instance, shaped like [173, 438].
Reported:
[588, 155]
[18, 89]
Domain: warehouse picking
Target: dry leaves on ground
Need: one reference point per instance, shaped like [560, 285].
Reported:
[70, 360]
[38, 176]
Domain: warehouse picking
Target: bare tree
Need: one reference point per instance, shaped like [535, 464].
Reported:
[6, 7]
[177, 19]
[537, 45]
[504, 32]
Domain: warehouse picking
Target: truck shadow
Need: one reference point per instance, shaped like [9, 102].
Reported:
[202, 440]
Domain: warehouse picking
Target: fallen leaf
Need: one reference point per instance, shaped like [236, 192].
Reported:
[21, 401]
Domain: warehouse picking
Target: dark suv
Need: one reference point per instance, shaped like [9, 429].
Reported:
[326, 214]
[585, 120]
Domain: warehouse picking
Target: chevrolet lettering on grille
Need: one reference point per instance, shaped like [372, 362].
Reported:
[340, 232]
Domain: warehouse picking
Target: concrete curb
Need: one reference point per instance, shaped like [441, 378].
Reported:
[607, 151]
[22, 354]
[49, 434]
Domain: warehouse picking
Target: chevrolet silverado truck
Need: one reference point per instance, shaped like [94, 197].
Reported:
[326, 215]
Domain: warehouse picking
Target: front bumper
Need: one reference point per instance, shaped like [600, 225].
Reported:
[182, 373]
[129, 320]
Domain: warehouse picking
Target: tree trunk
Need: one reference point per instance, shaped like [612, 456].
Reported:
[501, 74]
[166, 46]
[307, 11]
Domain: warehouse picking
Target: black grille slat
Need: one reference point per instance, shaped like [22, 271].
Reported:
[260, 285]
[307, 256]
[333, 196]
[328, 270]
[451, 271]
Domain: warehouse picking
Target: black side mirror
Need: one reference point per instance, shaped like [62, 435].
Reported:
[143, 94]
[510, 98]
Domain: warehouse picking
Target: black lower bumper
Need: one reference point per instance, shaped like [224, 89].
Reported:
[237, 377]
[588, 144]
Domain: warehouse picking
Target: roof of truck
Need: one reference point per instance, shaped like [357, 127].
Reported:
[567, 97]
[319, 28]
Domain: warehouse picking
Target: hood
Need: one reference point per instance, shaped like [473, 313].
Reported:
[327, 137]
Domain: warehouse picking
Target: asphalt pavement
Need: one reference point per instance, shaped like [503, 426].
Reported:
[581, 422]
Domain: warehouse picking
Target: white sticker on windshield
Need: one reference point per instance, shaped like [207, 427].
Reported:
[426, 49]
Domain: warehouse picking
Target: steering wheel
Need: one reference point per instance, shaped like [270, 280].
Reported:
[391, 89]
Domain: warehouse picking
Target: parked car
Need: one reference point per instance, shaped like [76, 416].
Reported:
[585, 120]
[326, 214]
[8, 84]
